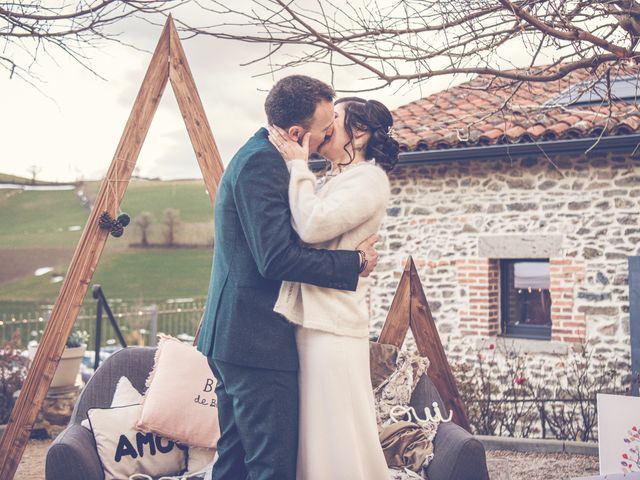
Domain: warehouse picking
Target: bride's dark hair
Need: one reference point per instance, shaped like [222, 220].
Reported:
[373, 117]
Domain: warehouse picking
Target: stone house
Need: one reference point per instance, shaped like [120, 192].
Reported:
[522, 222]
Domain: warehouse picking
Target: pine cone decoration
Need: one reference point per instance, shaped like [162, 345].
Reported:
[124, 219]
[105, 221]
[117, 230]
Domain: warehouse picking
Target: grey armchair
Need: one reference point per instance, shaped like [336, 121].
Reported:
[73, 455]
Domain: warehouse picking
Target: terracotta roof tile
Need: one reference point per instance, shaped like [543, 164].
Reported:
[456, 117]
[536, 130]
[515, 132]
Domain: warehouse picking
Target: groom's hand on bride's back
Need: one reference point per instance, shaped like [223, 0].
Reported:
[368, 248]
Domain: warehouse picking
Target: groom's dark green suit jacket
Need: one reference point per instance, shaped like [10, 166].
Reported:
[255, 250]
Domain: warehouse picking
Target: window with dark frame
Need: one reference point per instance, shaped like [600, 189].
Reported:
[525, 299]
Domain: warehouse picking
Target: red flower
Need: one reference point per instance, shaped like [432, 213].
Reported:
[625, 456]
[519, 380]
[491, 346]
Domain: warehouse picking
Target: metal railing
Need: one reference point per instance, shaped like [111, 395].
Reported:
[538, 406]
[138, 323]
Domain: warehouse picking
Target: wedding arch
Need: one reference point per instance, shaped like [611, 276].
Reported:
[169, 64]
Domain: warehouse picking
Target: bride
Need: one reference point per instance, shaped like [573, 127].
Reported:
[338, 437]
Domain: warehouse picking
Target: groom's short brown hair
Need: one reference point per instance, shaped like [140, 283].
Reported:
[293, 100]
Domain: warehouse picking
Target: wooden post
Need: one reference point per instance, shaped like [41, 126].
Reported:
[410, 309]
[167, 63]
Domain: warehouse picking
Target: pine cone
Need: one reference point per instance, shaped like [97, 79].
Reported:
[124, 219]
[105, 221]
[117, 230]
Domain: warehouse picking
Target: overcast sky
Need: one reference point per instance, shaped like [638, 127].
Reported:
[72, 127]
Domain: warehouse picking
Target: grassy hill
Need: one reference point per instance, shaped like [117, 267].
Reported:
[42, 229]
[40, 218]
[44, 218]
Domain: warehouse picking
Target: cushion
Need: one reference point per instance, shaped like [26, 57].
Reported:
[125, 394]
[180, 402]
[198, 459]
[382, 362]
[405, 445]
[124, 451]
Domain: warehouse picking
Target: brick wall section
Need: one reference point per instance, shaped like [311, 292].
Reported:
[568, 325]
[479, 277]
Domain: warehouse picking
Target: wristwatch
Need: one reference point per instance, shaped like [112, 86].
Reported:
[363, 261]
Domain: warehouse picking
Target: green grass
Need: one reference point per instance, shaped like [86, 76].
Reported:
[42, 218]
[133, 274]
[39, 220]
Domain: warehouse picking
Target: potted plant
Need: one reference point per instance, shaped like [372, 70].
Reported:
[69, 365]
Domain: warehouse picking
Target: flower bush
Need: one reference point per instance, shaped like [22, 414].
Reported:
[505, 393]
[13, 371]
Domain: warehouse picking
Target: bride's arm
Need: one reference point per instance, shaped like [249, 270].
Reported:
[356, 196]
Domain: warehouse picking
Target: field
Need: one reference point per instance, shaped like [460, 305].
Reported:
[42, 228]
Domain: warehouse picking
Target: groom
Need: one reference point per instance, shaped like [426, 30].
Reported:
[250, 348]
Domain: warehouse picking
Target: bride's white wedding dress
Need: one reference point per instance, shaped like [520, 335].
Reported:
[338, 435]
[338, 431]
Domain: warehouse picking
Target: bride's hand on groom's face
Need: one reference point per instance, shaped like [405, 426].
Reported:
[288, 147]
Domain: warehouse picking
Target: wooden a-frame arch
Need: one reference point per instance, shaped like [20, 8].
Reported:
[410, 309]
[168, 63]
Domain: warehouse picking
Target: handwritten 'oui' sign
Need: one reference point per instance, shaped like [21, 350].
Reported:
[400, 412]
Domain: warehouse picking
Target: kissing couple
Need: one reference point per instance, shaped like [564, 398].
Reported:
[286, 330]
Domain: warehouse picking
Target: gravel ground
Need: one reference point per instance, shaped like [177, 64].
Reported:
[32, 464]
[539, 466]
[519, 466]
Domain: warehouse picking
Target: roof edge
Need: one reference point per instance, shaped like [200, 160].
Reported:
[618, 143]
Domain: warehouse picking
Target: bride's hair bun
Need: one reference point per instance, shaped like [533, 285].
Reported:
[374, 117]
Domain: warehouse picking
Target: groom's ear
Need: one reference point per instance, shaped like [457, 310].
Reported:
[295, 132]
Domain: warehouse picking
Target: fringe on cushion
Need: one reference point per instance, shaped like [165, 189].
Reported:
[162, 337]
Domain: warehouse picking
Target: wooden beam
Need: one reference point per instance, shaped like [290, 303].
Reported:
[410, 309]
[398, 320]
[184, 88]
[429, 344]
[168, 61]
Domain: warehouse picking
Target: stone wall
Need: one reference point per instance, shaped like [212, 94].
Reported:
[439, 211]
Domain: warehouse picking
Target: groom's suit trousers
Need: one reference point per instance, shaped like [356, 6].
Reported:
[258, 415]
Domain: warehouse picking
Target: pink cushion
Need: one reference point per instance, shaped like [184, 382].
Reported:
[180, 402]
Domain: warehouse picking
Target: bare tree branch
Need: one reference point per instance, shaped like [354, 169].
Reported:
[29, 29]
[408, 41]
